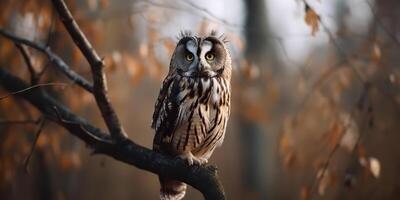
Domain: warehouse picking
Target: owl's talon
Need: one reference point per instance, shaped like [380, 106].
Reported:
[191, 159]
[203, 161]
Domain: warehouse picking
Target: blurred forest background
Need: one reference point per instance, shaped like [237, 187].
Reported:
[316, 99]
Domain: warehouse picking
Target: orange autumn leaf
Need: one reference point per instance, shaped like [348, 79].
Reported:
[312, 19]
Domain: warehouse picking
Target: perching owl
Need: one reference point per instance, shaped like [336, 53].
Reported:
[193, 106]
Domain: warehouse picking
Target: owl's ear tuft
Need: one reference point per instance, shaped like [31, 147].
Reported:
[223, 38]
[185, 33]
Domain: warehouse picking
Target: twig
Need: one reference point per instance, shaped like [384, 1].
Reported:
[49, 37]
[96, 64]
[37, 134]
[80, 127]
[28, 63]
[33, 87]
[337, 46]
[317, 84]
[61, 65]
[320, 174]
[391, 35]
[212, 15]
[26, 121]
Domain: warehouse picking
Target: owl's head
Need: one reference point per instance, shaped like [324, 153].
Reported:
[204, 57]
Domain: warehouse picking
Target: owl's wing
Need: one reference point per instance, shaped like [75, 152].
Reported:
[165, 117]
[160, 100]
[166, 110]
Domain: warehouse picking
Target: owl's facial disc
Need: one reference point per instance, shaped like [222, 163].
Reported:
[201, 57]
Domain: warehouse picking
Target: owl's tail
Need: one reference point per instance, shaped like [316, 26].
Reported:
[172, 189]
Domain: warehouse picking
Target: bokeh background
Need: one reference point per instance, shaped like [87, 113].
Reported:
[315, 96]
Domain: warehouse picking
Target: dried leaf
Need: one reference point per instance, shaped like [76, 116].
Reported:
[312, 19]
[324, 180]
[351, 134]
[376, 53]
[334, 135]
[392, 78]
[375, 167]
[327, 178]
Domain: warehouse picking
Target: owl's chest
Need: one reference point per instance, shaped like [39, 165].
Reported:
[204, 98]
[203, 113]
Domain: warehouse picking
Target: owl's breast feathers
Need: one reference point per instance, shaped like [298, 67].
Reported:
[191, 114]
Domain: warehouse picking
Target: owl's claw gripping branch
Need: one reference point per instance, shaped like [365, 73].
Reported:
[203, 178]
[191, 159]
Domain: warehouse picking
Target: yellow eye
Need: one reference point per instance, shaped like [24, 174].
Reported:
[210, 56]
[189, 57]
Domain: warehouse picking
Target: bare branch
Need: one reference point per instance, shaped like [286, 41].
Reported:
[37, 134]
[378, 19]
[49, 38]
[209, 13]
[61, 65]
[118, 146]
[96, 64]
[361, 100]
[33, 87]
[203, 178]
[25, 56]
[317, 84]
[337, 46]
[26, 121]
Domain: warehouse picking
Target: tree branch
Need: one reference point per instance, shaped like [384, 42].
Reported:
[96, 64]
[38, 130]
[28, 62]
[116, 145]
[59, 62]
[33, 87]
[26, 121]
[203, 178]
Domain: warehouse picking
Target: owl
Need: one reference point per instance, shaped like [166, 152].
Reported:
[193, 106]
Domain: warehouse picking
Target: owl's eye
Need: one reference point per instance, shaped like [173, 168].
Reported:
[189, 57]
[210, 56]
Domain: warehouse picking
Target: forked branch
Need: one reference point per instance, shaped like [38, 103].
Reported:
[96, 65]
[115, 144]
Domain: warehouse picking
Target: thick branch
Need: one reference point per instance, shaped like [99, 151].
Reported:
[59, 63]
[204, 179]
[96, 64]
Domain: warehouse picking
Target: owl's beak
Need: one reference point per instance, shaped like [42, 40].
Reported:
[203, 71]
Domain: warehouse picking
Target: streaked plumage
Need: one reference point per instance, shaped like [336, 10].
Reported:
[192, 109]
